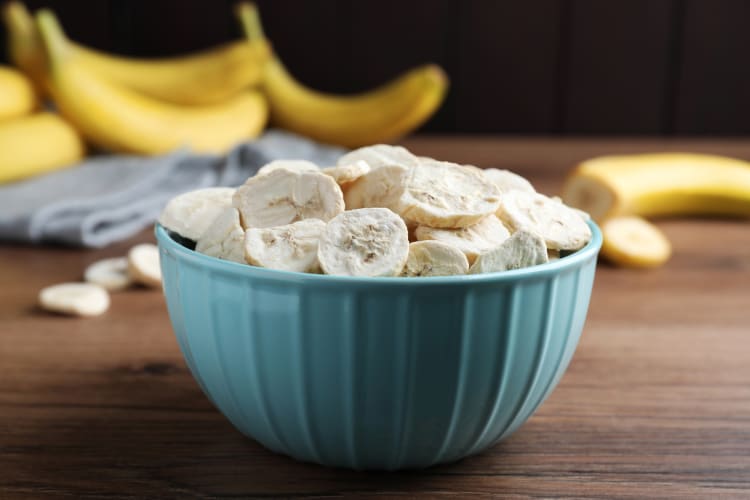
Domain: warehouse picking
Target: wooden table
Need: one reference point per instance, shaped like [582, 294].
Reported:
[656, 402]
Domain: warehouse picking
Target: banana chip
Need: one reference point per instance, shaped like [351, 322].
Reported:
[344, 175]
[293, 247]
[190, 214]
[434, 258]
[298, 166]
[75, 299]
[473, 240]
[224, 238]
[522, 249]
[111, 274]
[380, 187]
[435, 194]
[282, 197]
[505, 180]
[143, 265]
[381, 155]
[364, 242]
[561, 227]
[446, 195]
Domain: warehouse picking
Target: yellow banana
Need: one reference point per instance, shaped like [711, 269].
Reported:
[631, 241]
[117, 118]
[206, 77]
[660, 184]
[36, 144]
[380, 115]
[24, 45]
[16, 94]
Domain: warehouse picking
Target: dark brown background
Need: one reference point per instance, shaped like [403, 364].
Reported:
[531, 67]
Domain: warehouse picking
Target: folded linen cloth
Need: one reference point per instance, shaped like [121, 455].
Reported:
[109, 198]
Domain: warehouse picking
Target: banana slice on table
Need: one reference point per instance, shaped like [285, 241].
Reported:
[110, 274]
[364, 242]
[291, 165]
[282, 197]
[561, 227]
[224, 238]
[293, 247]
[380, 155]
[505, 180]
[345, 175]
[143, 265]
[631, 241]
[485, 235]
[76, 299]
[522, 249]
[190, 214]
[434, 258]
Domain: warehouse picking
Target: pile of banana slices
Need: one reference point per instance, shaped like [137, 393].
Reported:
[381, 211]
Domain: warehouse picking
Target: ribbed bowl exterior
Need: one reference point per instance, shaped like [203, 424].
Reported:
[387, 373]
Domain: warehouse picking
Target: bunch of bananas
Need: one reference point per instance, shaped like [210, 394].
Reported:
[619, 191]
[207, 101]
[31, 141]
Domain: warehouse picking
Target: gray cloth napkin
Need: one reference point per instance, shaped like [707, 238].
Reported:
[110, 198]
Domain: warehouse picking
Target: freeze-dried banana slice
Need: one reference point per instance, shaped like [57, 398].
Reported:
[143, 265]
[435, 194]
[282, 197]
[380, 187]
[190, 214]
[443, 194]
[293, 247]
[434, 258]
[584, 215]
[473, 240]
[298, 166]
[522, 249]
[560, 226]
[505, 180]
[111, 274]
[225, 238]
[364, 242]
[381, 155]
[344, 175]
[76, 299]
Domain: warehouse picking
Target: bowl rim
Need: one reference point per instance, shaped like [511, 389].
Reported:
[166, 242]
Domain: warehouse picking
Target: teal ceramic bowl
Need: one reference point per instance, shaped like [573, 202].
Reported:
[376, 373]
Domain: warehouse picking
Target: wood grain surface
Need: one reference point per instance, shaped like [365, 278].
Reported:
[655, 404]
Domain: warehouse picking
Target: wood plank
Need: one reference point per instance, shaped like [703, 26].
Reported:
[312, 39]
[618, 67]
[85, 21]
[655, 403]
[712, 93]
[173, 27]
[509, 66]
[390, 36]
